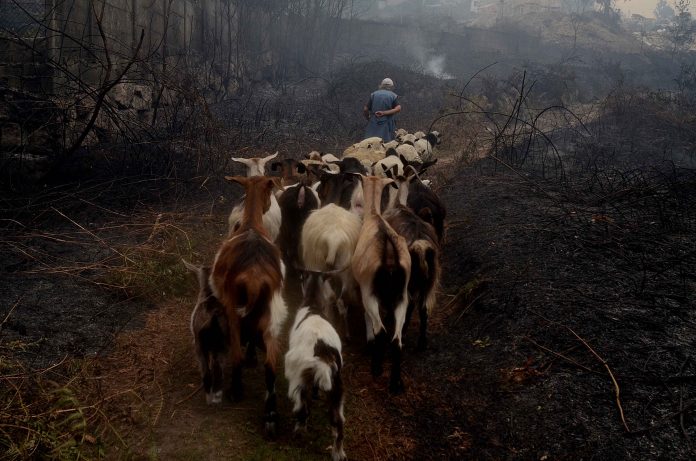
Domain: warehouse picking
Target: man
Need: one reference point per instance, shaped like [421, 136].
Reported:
[380, 110]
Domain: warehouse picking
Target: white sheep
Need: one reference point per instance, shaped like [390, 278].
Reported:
[426, 146]
[409, 154]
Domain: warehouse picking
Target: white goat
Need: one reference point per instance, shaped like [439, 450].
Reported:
[314, 361]
[329, 237]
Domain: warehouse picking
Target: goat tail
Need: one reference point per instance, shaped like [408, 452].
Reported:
[245, 294]
[425, 266]
[323, 374]
[420, 249]
[331, 252]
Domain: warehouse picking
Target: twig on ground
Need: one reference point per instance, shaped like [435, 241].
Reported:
[11, 310]
[559, 355]
[617, 390]
[195, 391]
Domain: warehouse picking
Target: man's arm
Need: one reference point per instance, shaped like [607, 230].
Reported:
[395, 110]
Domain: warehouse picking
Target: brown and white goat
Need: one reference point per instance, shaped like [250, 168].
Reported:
[313, 362]
[210, 331]
[423, 246]
[247, 278]
[382, 267]
[271, 218]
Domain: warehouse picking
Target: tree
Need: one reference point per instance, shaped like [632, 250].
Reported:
[681, 31]
[608, 10]
[663, 11]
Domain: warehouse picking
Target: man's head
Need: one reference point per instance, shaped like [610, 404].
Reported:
[387, 84]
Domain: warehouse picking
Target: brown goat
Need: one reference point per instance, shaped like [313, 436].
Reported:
[382, 267]
[247, 278]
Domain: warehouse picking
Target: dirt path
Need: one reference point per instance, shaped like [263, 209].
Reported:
[504, 378]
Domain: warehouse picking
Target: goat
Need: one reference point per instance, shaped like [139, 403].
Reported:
[424, 249]
[272, 219]
[247, 278]
[255, 165]
[314, 361]
[381, 265]
[296, 203]
[329, 237]
[426, 204]
[290, 171]
[210, 331]
[341, 189]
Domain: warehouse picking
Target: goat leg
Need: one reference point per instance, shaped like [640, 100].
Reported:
[422, 338]
[396, 384]
[206, 375]
[336, 417]
[271, 406]
[378, 351]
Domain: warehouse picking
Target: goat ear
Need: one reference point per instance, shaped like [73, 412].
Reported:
[238, 179]
[269, 157]
[301, 197]
[245, 161]
[403, 160]
[389, 181]
[274, 183]
[426, 214]
[395, 170]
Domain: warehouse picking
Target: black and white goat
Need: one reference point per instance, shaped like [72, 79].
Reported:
[314, 362]
[210, 331]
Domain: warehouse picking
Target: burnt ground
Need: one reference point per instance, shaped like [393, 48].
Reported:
[505, 377]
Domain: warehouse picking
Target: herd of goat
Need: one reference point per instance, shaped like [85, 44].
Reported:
[361, 230]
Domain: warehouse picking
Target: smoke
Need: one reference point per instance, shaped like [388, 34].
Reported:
[435, 66]
[425, 57]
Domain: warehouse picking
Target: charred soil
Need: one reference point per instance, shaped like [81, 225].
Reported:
[527, 267]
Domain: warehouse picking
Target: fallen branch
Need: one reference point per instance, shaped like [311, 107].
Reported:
[559, 355]
[617, 390]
